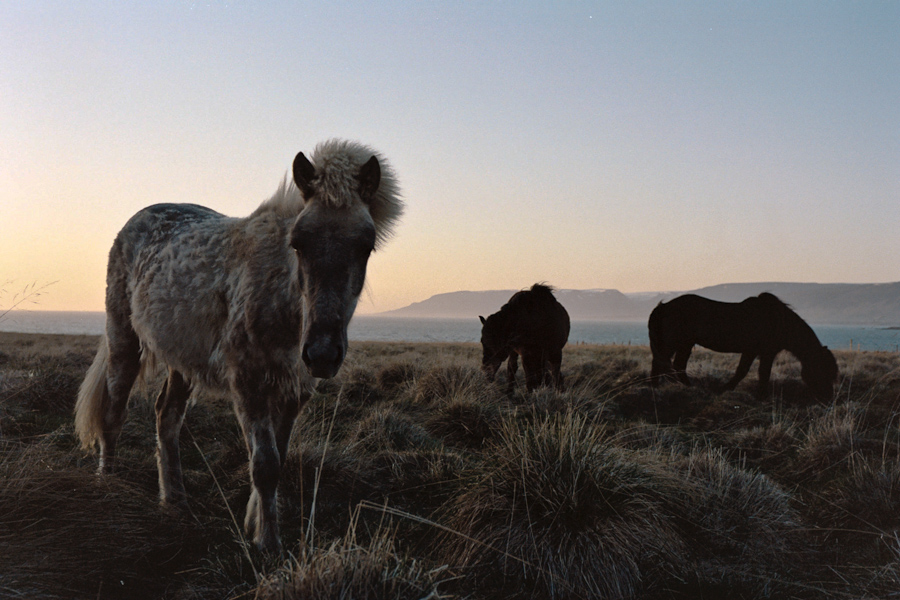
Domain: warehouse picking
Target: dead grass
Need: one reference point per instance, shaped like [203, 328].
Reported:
[606, 489]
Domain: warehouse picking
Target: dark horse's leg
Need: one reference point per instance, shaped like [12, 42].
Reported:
[512, 365]
[765, 370]
[555, 360]
[680, 363]
[747, 359]
[659, 367]
[170, 408]
[533, 365]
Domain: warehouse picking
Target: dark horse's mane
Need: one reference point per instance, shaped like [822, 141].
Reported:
[802, 335]
[539, 293]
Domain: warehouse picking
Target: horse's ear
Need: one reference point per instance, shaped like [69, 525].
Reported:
[483, 321]
[304, 173]
[369, 179]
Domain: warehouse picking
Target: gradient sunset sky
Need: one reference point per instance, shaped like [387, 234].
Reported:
[632, 145]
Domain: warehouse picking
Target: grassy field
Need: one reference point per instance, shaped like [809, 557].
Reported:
[409, 476]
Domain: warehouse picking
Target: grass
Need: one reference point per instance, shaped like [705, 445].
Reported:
[409, 476]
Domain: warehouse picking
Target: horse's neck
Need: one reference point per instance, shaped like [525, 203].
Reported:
[506, 322]
[800, 340]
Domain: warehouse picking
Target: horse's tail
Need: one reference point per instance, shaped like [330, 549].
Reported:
[654, 325]
[93, 399]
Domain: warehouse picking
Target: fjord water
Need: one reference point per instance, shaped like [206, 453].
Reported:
[397, 329]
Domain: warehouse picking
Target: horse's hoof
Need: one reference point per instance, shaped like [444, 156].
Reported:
[269, 544]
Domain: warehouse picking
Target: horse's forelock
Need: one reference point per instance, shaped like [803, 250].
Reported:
[338, 163]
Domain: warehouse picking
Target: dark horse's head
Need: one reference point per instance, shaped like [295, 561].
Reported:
[494, 344]
[350, 202]
[820, 372]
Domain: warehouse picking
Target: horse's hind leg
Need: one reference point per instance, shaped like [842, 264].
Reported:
[122, 370]
[170, 408]
[661, 364]
[679, 364]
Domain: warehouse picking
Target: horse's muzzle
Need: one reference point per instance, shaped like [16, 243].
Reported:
[323, 357]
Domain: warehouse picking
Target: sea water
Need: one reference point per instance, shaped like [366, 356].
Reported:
[397, 329]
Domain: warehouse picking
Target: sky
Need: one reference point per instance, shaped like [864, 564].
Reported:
[641, 146]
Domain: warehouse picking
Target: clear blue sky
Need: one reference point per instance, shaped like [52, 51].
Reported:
[640, 146]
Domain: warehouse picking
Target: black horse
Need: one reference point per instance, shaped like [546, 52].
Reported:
[533, 325]
[759, 326]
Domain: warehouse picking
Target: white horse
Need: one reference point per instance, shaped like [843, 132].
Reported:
[256, 307]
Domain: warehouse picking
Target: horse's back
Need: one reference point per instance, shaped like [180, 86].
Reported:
[190, 279]
[720, 326]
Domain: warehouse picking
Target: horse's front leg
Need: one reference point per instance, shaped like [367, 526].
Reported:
[555, 360]
[259, 427]
[512, 365]
[747, 359]
[680, 364]
[532, 364]
[170, 408]
[765, 371]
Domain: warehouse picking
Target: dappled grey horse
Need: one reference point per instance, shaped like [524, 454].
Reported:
[255, 307]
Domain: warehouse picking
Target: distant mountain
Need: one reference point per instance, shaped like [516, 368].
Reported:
[820, 303]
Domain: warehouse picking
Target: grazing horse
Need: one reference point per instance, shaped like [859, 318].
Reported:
[533, 325]
[759, 326]
[253, 307]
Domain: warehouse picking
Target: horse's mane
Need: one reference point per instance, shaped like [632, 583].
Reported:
[774, 300]
[540, 293]
[337, 163]
[542, 289]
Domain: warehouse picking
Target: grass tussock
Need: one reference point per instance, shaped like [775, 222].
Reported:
[561, 513]
[372, 569]
[607, 488]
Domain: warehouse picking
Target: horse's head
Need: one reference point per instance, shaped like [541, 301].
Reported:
[333, 237]
[820, 374]
[493, 345]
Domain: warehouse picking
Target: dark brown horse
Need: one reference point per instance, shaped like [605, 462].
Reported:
[533, 325]
[759, 326]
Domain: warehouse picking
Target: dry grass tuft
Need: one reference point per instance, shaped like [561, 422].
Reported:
[561, 513]
[864, 506]
[351, 568]
[387, 430]
[442, 383]
[742, 529]
[66, 533]
[830, 442]
[464, 423]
